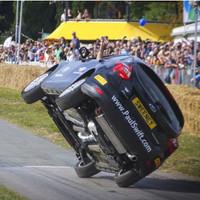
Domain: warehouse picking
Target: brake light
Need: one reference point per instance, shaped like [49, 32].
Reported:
[124, 71]
[172, 145]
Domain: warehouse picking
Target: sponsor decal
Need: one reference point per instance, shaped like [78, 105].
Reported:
[58, 75]
[82, 69]
[65, 69]
[144, 113]
[77, 72]
[100, 79]
[133, 123]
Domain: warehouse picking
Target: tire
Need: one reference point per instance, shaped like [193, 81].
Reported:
[85, 170]
[33, 91]
[71, 96]
[127, 178]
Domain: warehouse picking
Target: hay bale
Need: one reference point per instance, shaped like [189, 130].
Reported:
[16, 77]
[189, 101]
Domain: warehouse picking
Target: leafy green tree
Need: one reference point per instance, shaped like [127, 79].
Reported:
[38, 16]
[161, 11]
[156, 11]
[78, 5]
[138, 9]
[6, 15]
[59, 10]
[6, 19]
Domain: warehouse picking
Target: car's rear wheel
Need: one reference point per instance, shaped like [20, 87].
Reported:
[86, 170]
[71, 96]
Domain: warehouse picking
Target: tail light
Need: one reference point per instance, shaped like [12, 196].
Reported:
[172, 145]
[124, 71]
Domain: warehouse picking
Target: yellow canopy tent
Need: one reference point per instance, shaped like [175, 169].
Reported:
[91, 30]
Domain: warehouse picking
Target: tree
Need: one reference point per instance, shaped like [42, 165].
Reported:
[6, 18]
[156, 11]
[38, 16]
[78, 5]
[138, 9]
[6, 15]
[161, 11]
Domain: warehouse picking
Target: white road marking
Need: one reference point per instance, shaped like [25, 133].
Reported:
[47, 166]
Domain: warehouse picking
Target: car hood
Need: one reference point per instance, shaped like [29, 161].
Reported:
[67, 73]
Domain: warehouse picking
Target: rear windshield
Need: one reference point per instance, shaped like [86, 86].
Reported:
[147, 78]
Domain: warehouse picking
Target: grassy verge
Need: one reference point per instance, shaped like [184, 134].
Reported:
[187, 157]
[6, 194]
[34, 117]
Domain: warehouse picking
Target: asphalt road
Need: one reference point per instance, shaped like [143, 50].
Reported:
[41, 170]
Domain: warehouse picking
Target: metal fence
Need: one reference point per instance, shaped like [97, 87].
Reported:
[174, 76]
[168, 75]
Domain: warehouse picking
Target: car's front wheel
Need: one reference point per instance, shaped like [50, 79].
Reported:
[127, 178]
[33, 91]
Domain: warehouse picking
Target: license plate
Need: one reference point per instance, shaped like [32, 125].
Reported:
[144, 113]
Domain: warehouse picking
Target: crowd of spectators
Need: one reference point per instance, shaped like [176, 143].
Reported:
[170, 60]
[67, 15]
[41, 52]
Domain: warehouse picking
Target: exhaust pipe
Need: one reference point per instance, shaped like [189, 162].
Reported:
[86, 138]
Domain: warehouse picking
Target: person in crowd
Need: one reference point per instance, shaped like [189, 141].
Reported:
[57, 52]
[79, 15]
[49, 56]
[63, 16]
[170, 66]
[74, 52]
[69, 14]
[75, 41]
[196, 78]
[86, 15]
[63, 42]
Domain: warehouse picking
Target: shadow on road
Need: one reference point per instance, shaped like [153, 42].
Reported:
[154, 183]
[169, 185]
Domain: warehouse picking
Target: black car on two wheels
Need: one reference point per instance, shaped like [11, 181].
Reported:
[116, 114]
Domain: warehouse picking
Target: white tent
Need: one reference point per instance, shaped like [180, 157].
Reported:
[187, 32]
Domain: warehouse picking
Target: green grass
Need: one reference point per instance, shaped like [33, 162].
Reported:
[34, 117]
[186, 159]
[6, 194]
